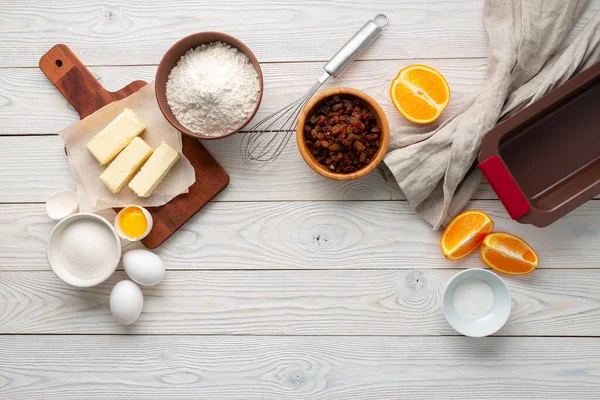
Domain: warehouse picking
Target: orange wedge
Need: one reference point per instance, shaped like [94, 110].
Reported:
[508, 254]
[420, 93]
[464, 234]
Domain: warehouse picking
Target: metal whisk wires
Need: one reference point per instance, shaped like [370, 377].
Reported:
[265, 141]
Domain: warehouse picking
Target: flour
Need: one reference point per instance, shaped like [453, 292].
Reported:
[473, 299]
[87, 249]
[213, 89]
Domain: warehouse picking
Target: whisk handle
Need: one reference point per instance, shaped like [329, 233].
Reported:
[353, 47]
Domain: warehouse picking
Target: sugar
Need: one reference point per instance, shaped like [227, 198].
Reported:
[473, 299]
[87, 248]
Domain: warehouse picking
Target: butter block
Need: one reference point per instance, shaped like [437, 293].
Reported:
[118, 134]
[127, 163]
[154, 171]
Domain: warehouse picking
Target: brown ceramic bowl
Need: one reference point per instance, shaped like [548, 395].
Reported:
[171, 58]
[369, 103]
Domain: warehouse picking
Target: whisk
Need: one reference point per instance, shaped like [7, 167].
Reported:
[265, 141]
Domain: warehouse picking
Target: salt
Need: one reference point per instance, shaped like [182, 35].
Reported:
[87, 248]
[213, 89]
[473, 298]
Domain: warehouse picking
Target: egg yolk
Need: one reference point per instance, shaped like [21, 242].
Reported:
[133, 222]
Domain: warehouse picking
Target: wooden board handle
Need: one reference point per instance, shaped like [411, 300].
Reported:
[87, 95]
[77, 83]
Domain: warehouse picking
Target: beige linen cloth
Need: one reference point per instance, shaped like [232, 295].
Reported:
[528, 58]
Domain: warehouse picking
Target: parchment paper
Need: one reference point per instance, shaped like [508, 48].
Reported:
[92, 193]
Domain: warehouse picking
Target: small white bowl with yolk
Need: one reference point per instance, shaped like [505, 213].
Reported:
[133, 223]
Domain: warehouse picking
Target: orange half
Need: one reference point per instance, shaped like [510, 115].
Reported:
[420, 93]
[464, 234]
[508, 254]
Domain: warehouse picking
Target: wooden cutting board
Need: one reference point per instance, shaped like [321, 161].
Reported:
[87, 95]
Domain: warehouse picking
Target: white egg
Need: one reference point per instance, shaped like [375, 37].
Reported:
[144, 267]
[126, 302]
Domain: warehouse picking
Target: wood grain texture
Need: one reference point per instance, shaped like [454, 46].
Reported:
[29, 177]
[85, 93]
[447, 368]
[75, 82]
[211, 179]
[136, 32]
[31, 105]
[319, 235]
[375, 268]
[395, 302]
[32, 168]
[125, 32]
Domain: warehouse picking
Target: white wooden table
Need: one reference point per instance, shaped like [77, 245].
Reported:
[288, 285]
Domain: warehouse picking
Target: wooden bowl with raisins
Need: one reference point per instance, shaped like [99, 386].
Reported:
[342, 134]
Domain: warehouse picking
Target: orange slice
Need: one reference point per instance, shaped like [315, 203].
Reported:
[420, 93]
[508, 254]
[465, 233]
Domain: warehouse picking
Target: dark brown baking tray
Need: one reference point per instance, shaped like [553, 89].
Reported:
[545, 161]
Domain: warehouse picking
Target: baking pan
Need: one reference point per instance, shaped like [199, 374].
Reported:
[544, 161]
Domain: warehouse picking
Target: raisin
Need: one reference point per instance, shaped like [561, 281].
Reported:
[358, 124]
[342, 134]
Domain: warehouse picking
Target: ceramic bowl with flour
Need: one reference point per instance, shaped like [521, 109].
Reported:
[476, 302]
[84, 250]
[209, 85]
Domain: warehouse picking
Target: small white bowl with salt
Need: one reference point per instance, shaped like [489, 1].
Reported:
[476, 302]
[84, 250]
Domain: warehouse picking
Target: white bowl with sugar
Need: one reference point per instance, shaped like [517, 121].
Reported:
[476, 302]
[84, 250]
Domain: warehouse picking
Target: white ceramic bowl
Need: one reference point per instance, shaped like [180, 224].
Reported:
[487, 324]
[117, 224]
[59, 269]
